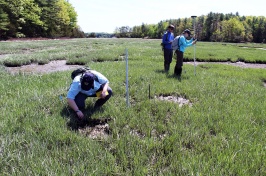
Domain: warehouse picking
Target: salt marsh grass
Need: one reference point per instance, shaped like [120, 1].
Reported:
[223, 133]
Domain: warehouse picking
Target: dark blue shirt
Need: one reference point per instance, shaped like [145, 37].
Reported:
[167, 38]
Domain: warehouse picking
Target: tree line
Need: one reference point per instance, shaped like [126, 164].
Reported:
[217, 27]
[38, 18]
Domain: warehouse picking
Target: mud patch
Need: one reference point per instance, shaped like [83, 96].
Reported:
[175, 99]
[188, 145]
[238, 64]
[253, 47]
[137, 133]
[3, 55]
[98, 129]
[212, 132]
[53, 66]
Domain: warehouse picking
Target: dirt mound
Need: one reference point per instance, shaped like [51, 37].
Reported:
[53, 66]
[179, 100]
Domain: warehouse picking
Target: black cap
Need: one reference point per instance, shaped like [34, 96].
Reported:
[187, 31]
[87, 81]
[171, 26]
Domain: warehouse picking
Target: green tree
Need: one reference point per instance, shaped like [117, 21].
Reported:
[151, 31]
[258, 29]
[207, 27]
[233, 30]
[4, 22]
[24, 16]
[199, 27]
[248, 29]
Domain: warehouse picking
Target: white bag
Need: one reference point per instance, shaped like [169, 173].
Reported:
[175, 43]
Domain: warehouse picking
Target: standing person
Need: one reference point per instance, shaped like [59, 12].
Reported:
[183, 44]
[167, 40]
[88, 84]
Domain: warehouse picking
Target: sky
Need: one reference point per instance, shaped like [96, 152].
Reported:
[106, 15]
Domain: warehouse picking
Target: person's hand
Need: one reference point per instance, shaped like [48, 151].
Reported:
[194, 42]
[171, 41]
[80, 114]
[103, 94]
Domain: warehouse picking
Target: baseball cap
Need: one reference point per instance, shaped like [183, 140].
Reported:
[87, 81]
[187, 31]
[171, 26]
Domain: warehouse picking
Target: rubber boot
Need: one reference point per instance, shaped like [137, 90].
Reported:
[178, 71]
[167, 67]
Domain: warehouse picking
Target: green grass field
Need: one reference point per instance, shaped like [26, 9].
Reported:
[82, 51]
[223, 133]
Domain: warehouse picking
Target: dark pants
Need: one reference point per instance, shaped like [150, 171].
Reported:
[168, 54]
[80, 99]
[179, 62]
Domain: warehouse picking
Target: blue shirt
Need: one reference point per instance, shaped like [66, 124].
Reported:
[184, 43]
[75, 87]
[167, 38]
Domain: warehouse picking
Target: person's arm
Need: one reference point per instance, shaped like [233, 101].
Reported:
[103, 81]
[74, 106]
[105, 86]
[185, 43]
[169, 37]
[164, 39]
[172, 37]
[72, 92]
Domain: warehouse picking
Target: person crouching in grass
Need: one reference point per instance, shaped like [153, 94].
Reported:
[89, 84]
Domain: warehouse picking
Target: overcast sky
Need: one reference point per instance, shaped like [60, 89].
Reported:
[106, 15]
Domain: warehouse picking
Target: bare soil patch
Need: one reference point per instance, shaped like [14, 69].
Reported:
[175, 99]
[3, 55]
[60, 65]
[238, 64]
[53, 66]
[97, 129]
[97, 132]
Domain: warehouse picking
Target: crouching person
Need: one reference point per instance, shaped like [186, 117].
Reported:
[88, 84]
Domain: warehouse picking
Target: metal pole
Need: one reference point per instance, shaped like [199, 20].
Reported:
[149, 91]
[194, 19]
[127, 92]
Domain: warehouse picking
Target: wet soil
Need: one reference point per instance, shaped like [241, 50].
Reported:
[60, 65]
[238, 64]
[53, 66]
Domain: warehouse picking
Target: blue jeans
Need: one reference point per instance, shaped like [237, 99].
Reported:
[80, 99]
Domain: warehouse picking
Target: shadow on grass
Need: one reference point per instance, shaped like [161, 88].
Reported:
[74, 123]
[160, 71]
[170, 75]
[184, 76]
[264, 83]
